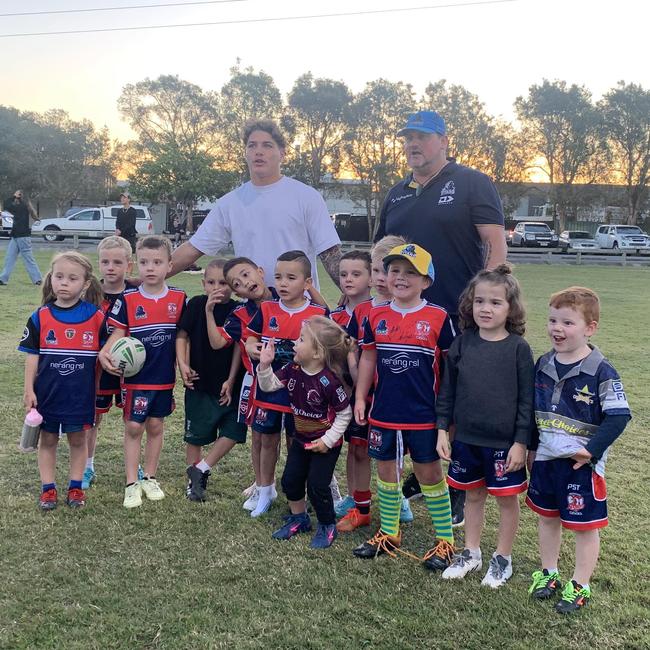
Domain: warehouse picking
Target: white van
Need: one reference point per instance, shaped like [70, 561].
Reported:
[91, 223]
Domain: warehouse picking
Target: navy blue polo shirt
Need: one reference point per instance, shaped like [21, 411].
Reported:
[443, 221]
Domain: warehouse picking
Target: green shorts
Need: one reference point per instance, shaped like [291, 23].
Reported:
[206, 420]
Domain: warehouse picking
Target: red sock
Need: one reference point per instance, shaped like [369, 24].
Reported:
[362, 501]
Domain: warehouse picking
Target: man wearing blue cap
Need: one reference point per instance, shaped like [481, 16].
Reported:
[451, 211]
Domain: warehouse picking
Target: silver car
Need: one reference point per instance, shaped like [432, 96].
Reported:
[576, 240]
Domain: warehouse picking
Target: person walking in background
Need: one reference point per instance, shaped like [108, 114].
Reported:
[21, 238]
[125, 222]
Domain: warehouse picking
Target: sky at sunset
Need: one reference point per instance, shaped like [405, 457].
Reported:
[495, 49]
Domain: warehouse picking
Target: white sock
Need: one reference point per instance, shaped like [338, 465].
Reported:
[90, 463]
[553, 570]
[264, 501]
[474, 552]
[203, 466]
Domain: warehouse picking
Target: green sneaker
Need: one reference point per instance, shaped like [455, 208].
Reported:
[132, 496]
[545, 584]
[574, 597]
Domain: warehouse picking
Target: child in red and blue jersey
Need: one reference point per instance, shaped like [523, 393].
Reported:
[580, 410]
[281, 321]
[402, 345]
[62, 341]
[321, 411]
[151, 314]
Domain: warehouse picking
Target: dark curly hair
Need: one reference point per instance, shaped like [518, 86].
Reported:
[501, 275]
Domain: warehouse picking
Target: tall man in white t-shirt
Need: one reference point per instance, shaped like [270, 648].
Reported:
[268, 215]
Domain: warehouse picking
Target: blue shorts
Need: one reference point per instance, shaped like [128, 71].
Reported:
[420, 443]
[474, 467]
[103, 403]
[577, 496]
[268, 422]
[142, 404]
[58, 427]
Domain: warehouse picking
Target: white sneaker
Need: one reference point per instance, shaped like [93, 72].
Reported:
[132, 496]
[267, 495]
[248, 492]
[498, 572]
[251, 502]
[461, 565]
[151, 489]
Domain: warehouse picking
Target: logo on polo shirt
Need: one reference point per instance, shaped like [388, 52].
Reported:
[140, 312]
[583, 395]
[422, 329]
[382, 327]
[69, 333]
[273, 324]
[50, 338]
[447, 193]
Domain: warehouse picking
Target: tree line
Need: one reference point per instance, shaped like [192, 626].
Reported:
[188, 140]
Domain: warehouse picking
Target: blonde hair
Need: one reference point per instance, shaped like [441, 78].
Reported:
[580, 299]
[93, 292]
[332, 341]
[385, 245]
[114, 241]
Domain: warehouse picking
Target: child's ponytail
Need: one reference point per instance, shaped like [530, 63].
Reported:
[48, 293]
[93, 293]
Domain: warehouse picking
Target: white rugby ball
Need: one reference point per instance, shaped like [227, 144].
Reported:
[128, 355]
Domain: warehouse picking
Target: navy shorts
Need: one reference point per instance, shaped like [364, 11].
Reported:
[103, 403]
[577, 496]
[420, 443]
[356, 434]
[474, 467]
[58, 427]
[142, 404]
[267, 422]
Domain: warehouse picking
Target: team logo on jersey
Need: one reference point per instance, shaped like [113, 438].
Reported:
[575, 502]
[172, 308]
[374, 438]
[69, 333]
[382, 327]
[67, 366]
[448, 189]
[117, 305]
[341, 394]
[87, 338]
[50, 338]
[314, 398]
[422, 329]
[140, 312]
[273, 324]
[140, 404]
[325, 381]
[400, 362]
[157, 338]
[25, 333]
[499, 468]
[291, 384]
[583, 395]
[445, 199]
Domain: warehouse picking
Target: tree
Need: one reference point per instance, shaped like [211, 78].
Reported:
[18, 131]
[321, 110]
[373, 152]
[562, 127]
[626, 127]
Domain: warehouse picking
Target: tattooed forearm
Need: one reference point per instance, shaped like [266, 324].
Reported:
[330, 259]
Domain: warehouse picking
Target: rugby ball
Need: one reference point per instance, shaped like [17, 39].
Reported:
[128, 355]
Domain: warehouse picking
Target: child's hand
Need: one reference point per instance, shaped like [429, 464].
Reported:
[106, 361]
[318, 446]
[360, 412]
[582, 457]
[516, 457]
[253, 348]
[188, 375]
[29, 399]
[442, 446]
[267, 354]
[530, 460]
[225, 396]
[215, 297]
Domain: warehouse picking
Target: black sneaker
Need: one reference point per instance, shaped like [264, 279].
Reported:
[378, 545]
[545, 585]
[411, 487]
[574, 597]
[440, 556]
[457, 499]
[198, 483]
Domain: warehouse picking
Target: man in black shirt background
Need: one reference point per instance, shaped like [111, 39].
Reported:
[125, 222]
[21, 239]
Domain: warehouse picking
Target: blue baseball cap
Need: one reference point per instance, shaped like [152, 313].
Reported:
[426, 122]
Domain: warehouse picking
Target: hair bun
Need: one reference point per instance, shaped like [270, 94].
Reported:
[504, 269]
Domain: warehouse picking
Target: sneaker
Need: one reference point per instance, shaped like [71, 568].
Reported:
[76, 498]
[545, 584]
[294, 525]
[378, 545]
[151, 489]
[461, 565]
[48, 500]
[264, 501]
[574, 597]
[405, 513]
[440, 556]
[140, 473]
[3, 284]
[353, 520]
[498, 573]
[248, 492]
[251, 502]
[344, 506]
[324, 537]
[38, 283]
[334, 489]
[88, 478]
[411, 487]
[198, 483]
[457, 499]
[132, 495]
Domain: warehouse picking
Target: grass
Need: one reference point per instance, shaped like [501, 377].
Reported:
[178, 575]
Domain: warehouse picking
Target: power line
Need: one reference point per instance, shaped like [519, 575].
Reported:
[79, 11]
[262, 20]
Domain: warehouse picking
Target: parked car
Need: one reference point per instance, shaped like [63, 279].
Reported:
[576, 240]
[622, 238]
[7, 223]
[533, 233]
[92, 223]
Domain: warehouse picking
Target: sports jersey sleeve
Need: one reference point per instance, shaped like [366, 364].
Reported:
[368, 337]
[525, 393]
[231, 329]
[485, 204]
[255, 325]
[337, 396]
[611, 393]
[30, 342]
[447, 335]
[117, 316]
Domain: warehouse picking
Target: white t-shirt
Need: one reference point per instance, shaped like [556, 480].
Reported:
[264, 221]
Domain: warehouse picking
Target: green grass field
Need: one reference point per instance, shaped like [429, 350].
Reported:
[174, 574]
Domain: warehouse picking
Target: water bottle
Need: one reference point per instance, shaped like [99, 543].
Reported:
[31, 431]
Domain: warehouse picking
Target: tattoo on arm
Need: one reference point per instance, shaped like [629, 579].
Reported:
[330, 259]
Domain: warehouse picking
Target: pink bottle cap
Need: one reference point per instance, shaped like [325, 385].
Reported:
[33, 418]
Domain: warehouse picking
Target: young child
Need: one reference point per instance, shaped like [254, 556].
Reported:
[62, 340]
[210, 377]
[321, 411]
[402, 346]
[114, 265]
[151, 314]
[487, 391]
[280, 320]
[580, 410]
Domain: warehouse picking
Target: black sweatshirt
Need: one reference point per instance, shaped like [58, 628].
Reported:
[488, 390]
